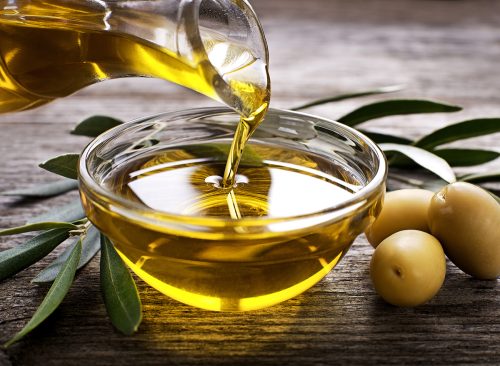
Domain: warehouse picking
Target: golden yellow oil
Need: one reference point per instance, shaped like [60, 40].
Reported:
[39, 64]
[243, 247]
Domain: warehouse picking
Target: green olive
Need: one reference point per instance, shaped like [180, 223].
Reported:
[466, 220]
[402, 210]
[408, 268]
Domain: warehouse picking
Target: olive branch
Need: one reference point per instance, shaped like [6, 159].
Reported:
[68, 225]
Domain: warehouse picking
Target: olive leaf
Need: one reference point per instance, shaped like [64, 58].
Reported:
[481, 178]
[338, 98]
[424, 158]
[380, 138]
[44, 190]
[454, 157]
[466, 157]
[119, 291]
[395, 107]
[65, 165]
[90, 247]
[95, 125]
[459, 131]
[68, 213]
[24, 255]
[55, 296]
[37, 227]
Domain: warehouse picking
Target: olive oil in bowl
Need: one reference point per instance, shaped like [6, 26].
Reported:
[292, 212]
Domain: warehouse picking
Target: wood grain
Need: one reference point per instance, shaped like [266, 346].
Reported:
[448, 50]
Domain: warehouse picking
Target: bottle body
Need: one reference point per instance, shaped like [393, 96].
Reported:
[48, 51]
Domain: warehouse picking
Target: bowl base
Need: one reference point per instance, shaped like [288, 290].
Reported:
[232, 304]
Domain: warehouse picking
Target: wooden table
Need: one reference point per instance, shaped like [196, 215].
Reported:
[449, 50]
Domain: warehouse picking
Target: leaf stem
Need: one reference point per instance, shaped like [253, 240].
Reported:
[338, 98]
[82, 228]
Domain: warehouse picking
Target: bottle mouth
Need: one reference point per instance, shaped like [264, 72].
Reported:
[234, 22]
[234, 53]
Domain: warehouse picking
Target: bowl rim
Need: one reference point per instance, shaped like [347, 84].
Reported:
[141, 212]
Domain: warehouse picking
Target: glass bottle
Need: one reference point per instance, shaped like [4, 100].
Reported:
[50, 49]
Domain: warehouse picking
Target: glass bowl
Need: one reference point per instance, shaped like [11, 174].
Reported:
[307, 188]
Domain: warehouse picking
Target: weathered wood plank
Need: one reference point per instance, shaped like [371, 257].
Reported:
[441, 49]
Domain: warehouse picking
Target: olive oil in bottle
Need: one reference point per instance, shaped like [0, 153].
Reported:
[49, 50]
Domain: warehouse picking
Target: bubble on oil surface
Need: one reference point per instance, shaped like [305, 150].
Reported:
[216, 180]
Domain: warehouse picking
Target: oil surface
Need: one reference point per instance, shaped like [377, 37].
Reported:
[228, 266]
